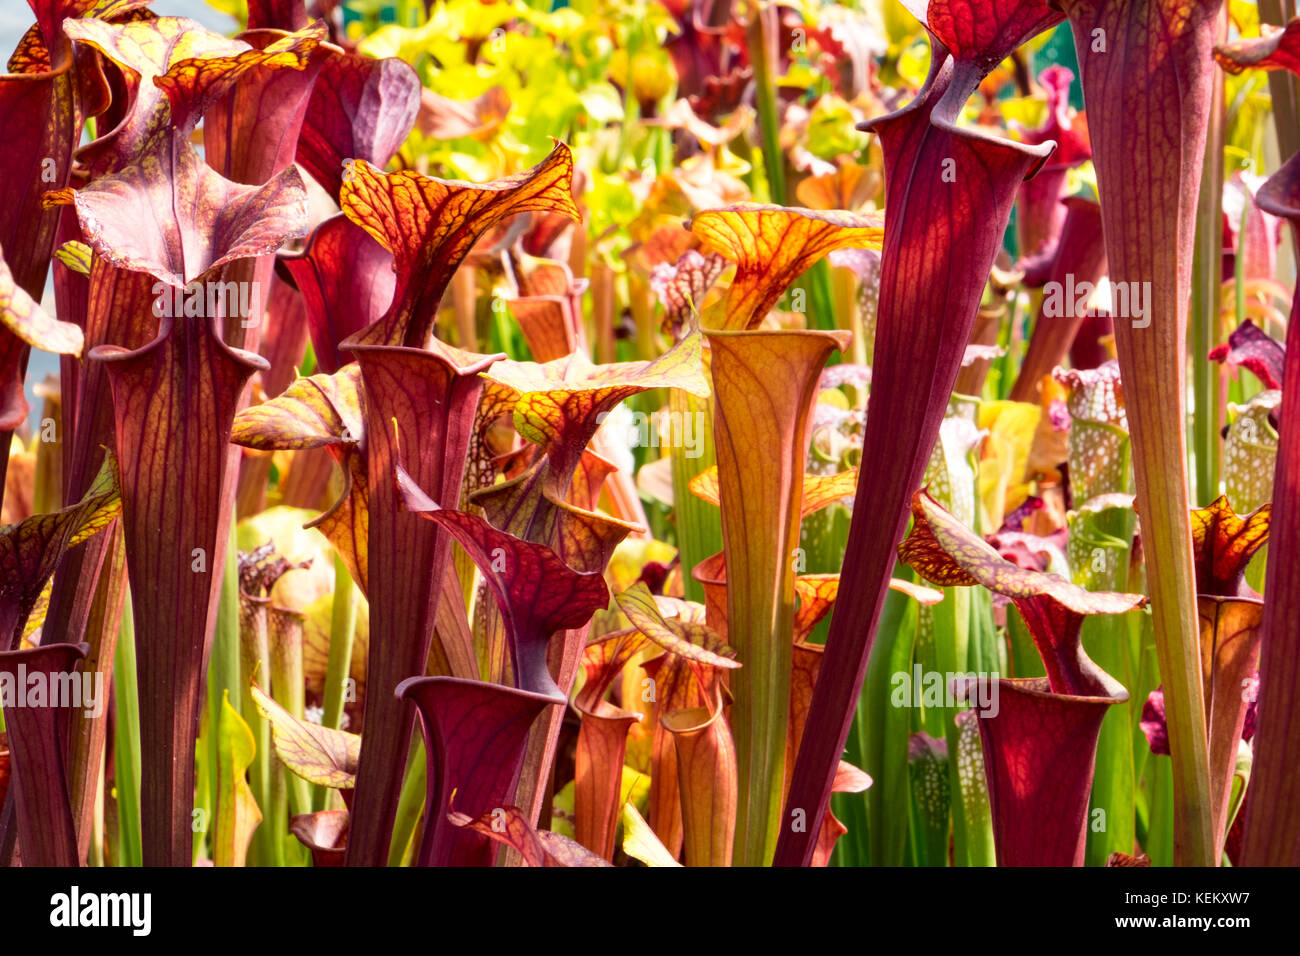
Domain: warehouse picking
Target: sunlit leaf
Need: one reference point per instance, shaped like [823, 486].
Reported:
[31, 549]
[317, 754]
[816, 594]
[237, 813]
[690, 640]
[1223, 543]
[311, 413]
[430, 225]
[946, 552]
[640, 842]
[772, 246]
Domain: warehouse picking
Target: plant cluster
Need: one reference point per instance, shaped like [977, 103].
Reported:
[631, 433]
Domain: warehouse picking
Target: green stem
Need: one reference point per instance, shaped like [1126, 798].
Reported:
[223, 674]
[759, 36]
[822, 304]
[699, 524]
[410, 806]
[882, 731]
[126, 743]
[343, 625]
[1203, 320]
[289, 690]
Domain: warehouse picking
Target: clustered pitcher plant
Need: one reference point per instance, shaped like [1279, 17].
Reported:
[652, 433]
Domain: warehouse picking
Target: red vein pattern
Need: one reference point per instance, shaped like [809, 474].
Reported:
[174, 401]
[420, 408]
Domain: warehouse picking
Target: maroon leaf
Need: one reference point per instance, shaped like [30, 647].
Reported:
[983, 32]
[251, 131]
[1272, 831]
[1153, 722]
[277, 14]
[1250, 235]
[422, 402]
[946, 552]
[35, 727]
[475, 734]
[325, 833]
[537, 592]
[1251, 347]
[361, 108]
[208, 220]
[87, 594]
[175, 70]
[169, 215]
[118, 311]
[346, 280]
[1039, 749]
[44, 103]
[174, 402]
